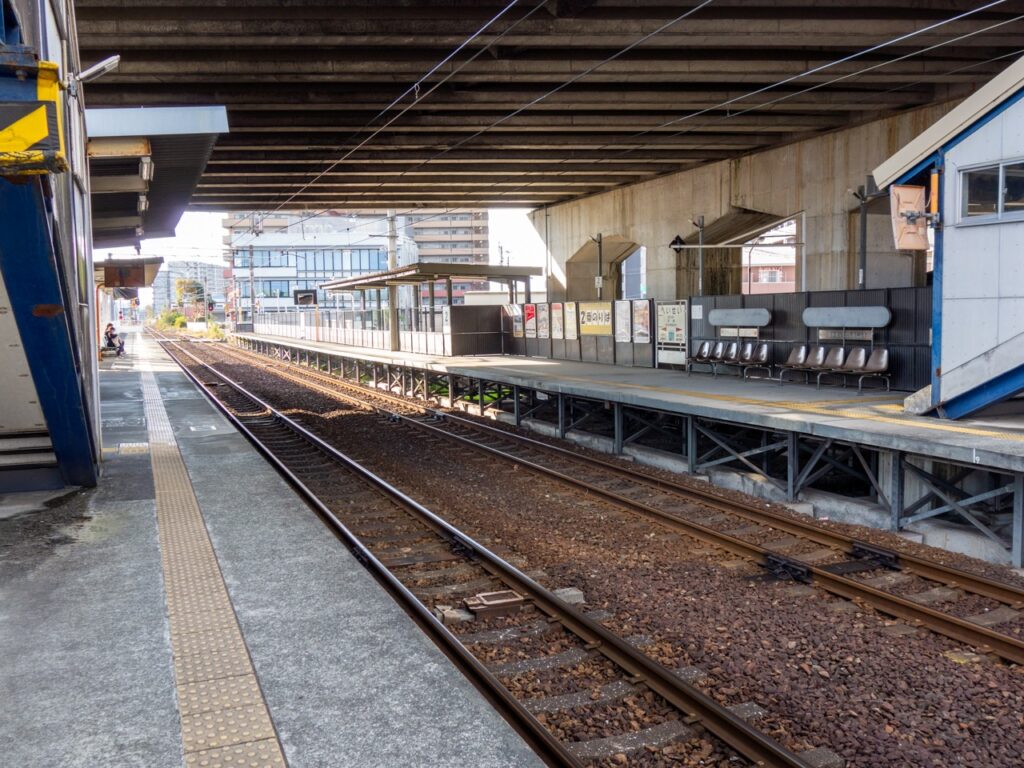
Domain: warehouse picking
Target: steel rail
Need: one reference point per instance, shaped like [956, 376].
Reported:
[929, 569]
[717, 719]
[987, 640]
[540, 740]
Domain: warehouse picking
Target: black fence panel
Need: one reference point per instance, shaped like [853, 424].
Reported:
[907, 337]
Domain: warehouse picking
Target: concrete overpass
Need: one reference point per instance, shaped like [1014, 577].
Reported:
[302, 80]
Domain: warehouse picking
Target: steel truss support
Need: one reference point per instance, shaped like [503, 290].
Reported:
[639, 424]
[993, 503]
[724, 450]
[948, 492]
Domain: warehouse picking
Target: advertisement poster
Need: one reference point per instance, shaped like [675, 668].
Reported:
[595, 318]
[623, 321]
[671, 323]
[570, 321]
[542, 321]
[517, 320]
[642, 321]
[530, 317]
[557, 329]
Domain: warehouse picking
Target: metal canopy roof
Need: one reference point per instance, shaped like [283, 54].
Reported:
[304, 82]
[425, 272]
[178, 142]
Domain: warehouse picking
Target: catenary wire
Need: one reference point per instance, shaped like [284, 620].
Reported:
[724, 104]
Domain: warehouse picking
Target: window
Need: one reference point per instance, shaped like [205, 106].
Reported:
[994, 192]
[770, 276]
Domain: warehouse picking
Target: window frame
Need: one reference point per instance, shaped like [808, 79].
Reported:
[1000, 215]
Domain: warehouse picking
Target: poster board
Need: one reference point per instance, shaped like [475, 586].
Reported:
[595, 318]
[543, 322]
[557, 321]
[672, 332]
[530, 320]
[516, 313]
[571, 321]
[623, 321]
[642, 321]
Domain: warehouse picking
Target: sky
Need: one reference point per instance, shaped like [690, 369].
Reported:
[198, 237]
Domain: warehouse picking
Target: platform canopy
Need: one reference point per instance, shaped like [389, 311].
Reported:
[426, 272]
[144, 165]
[125, 276]
[482, 103]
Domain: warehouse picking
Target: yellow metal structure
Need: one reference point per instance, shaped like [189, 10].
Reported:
[32, 132]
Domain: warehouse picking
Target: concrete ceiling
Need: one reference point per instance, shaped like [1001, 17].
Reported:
[302, 78]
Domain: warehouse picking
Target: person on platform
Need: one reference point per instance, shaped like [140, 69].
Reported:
[113, 340]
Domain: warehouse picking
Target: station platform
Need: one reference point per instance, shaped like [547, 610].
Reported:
[876, 419]
[192, 610]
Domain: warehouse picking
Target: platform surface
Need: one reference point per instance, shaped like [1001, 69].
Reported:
[876, 419]
[294, 653]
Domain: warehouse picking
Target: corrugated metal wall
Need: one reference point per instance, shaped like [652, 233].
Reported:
[908, 336]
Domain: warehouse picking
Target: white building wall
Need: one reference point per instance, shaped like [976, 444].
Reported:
[982, 269]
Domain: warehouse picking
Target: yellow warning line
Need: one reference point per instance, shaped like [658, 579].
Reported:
[803, 407]
[224, 718]
[814, 408]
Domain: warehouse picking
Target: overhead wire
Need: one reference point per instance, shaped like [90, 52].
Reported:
[785, 97]
[415, 89]
[420, 98]
[533, 102]
[724, 104]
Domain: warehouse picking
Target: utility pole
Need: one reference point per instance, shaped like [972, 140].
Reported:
[699, 224]
[395, 338]
[252, 292]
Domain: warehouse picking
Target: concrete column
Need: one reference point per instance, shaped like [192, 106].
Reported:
[448, 289]
[619, 427]
[1017, 547]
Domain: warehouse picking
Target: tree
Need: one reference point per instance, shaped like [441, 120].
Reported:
[188, 291]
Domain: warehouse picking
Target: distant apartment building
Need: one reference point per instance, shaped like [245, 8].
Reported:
[293, 253]
[212, 277]
[769, 261]
[299, 252]
[453, 237]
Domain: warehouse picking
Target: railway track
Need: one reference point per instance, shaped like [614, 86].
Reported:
[421, 558]
[889, 581]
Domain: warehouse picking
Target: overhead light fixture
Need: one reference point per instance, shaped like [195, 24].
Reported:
[677, 244]
[98, 70]
[143, 203]
[94, 72]
[147, 168]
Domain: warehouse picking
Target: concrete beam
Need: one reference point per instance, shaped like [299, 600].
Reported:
[110, 184]
[116, 222]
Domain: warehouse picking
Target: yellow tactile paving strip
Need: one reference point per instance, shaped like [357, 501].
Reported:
[882, 413]
[224, 718]
[821, 409]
